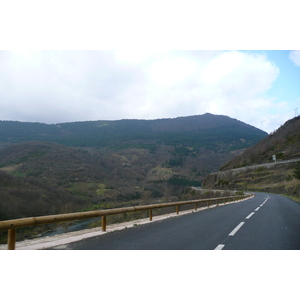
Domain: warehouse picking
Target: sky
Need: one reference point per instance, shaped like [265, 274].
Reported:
[150, 60]
[260, 88]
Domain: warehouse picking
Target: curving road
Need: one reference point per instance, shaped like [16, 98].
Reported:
[265, 222]
[271, 164]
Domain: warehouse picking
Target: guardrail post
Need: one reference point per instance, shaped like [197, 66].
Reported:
[177, 209]
[195, 206]
[103, 223]
[150, 214]
[208, 204]
[217, 204]
[11, 239]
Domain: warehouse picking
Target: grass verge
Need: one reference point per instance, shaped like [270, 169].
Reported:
[292, 197]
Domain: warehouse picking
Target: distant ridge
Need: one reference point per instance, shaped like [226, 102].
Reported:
[206, 130]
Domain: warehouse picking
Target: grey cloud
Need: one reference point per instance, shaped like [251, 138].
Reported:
[57, 86]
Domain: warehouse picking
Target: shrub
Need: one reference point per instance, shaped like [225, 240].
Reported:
[297, 171]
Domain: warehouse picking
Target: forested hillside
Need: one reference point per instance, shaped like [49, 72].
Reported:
[206, 131]
[67, 167]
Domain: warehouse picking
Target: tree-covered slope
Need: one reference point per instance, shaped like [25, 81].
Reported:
[209, 131]
[67, 167]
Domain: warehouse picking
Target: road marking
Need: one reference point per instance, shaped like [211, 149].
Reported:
[249, 216]
[219, 247]
[234, 231]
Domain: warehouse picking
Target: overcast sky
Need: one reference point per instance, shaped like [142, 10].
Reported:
[260, 88]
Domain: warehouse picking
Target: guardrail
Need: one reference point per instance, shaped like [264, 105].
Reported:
[12, 225]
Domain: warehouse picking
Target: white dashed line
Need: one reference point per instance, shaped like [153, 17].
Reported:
[234, 231]
[249, 216]
[219, 247]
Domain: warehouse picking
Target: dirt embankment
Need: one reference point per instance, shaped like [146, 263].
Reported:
[276, 179]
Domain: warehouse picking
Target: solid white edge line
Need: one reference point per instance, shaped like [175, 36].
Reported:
[220, 247]
[250, 215]
[233, 232]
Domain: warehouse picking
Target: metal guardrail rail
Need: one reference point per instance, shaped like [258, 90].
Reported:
[12, 225]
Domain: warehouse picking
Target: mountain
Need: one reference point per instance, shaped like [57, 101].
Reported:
[208, 131]
[284, 143]
[100, 164]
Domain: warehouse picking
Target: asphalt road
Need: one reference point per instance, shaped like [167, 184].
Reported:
[265, 222]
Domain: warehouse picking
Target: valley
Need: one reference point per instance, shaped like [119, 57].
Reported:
[60, 168]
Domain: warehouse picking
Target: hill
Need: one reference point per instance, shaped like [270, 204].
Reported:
[206, 131]
[101, 164]
[284, 143]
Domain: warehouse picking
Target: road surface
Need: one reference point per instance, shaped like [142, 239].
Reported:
[265, 222]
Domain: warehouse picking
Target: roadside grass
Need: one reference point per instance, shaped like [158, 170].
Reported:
[292, 197]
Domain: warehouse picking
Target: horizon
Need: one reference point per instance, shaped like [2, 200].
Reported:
[132, 120]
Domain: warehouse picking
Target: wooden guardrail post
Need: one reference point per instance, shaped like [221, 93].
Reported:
[103, 223]
[195, 206]
[208, 204]
[150, 214]
[177, 209]
[11, 239]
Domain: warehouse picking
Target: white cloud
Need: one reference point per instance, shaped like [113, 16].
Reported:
[231, 83]
[63, 86]
[295, 57]
[169, 72]
[221, 66]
